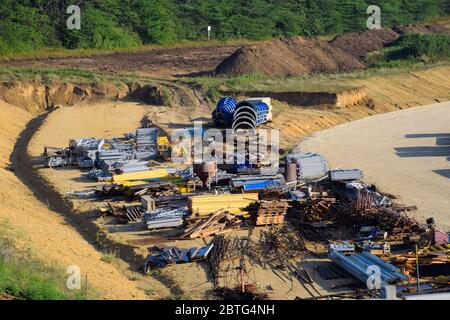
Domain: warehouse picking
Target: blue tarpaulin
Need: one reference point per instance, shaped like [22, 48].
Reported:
[260, 185]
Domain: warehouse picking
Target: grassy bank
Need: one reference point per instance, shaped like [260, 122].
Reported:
[75, 75]
[215, 86]
[23, 276]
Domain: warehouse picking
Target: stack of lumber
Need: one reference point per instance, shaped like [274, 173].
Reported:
[236, 204]
[218, 223]
[271, 212]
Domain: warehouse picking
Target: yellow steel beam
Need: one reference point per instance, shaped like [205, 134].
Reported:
[140, 176]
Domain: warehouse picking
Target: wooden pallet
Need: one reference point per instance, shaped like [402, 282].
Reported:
[261, 221]
[271, 212]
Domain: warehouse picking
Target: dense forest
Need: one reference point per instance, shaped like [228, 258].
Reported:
[27, 25]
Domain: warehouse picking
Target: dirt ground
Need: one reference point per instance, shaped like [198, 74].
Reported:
[157, 62]
[405, 153]
[113, 119]
[98, 120]
[46, 233]
[280, 57]
[289, 57]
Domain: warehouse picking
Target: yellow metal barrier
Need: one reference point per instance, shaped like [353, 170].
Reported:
[233, 203]
[140, 176]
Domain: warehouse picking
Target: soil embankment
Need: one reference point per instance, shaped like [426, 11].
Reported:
[305, 55]
[43, 228]
[422, 29]
[35, 96]
[361, 43]
[54, 229]
[384, 94]
[289, 57]
[338, 99]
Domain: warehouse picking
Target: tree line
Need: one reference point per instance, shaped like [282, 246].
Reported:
[27, 25]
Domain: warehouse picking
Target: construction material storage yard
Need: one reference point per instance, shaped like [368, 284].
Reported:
[120, 218]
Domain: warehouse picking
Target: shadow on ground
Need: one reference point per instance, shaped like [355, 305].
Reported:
[442, 149]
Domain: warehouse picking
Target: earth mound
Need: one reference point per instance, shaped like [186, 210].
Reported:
[422, 29]
[359, 44]
[288, 57]
[306, 55]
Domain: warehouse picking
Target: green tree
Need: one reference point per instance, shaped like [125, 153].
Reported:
[99, 31]
[158, 22]
[23, 29]
[27, 25]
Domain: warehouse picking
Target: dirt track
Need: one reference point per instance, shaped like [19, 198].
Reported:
[157, 62]
[406, 153]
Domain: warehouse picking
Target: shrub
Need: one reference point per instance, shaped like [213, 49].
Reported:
[435, 47]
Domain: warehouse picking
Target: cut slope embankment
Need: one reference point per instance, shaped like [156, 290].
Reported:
[47, 233]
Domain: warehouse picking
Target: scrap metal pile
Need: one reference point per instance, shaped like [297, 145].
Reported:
[127, 154]
[280, 250]
[218, 223]
[353, 204]
[173, 255]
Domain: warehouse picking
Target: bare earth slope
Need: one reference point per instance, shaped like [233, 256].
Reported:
[360, 43]
[388, 93]
[44, 231]
[406, 153]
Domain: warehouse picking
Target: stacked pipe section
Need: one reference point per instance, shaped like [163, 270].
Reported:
[247, 114]
[251, 113]
[223, 115]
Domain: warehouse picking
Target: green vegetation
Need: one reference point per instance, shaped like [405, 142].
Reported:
[435, 47]
[30, 25]
[47, 75]
[109, 257]
[411, 50]
[309, 83]
[24, 277]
